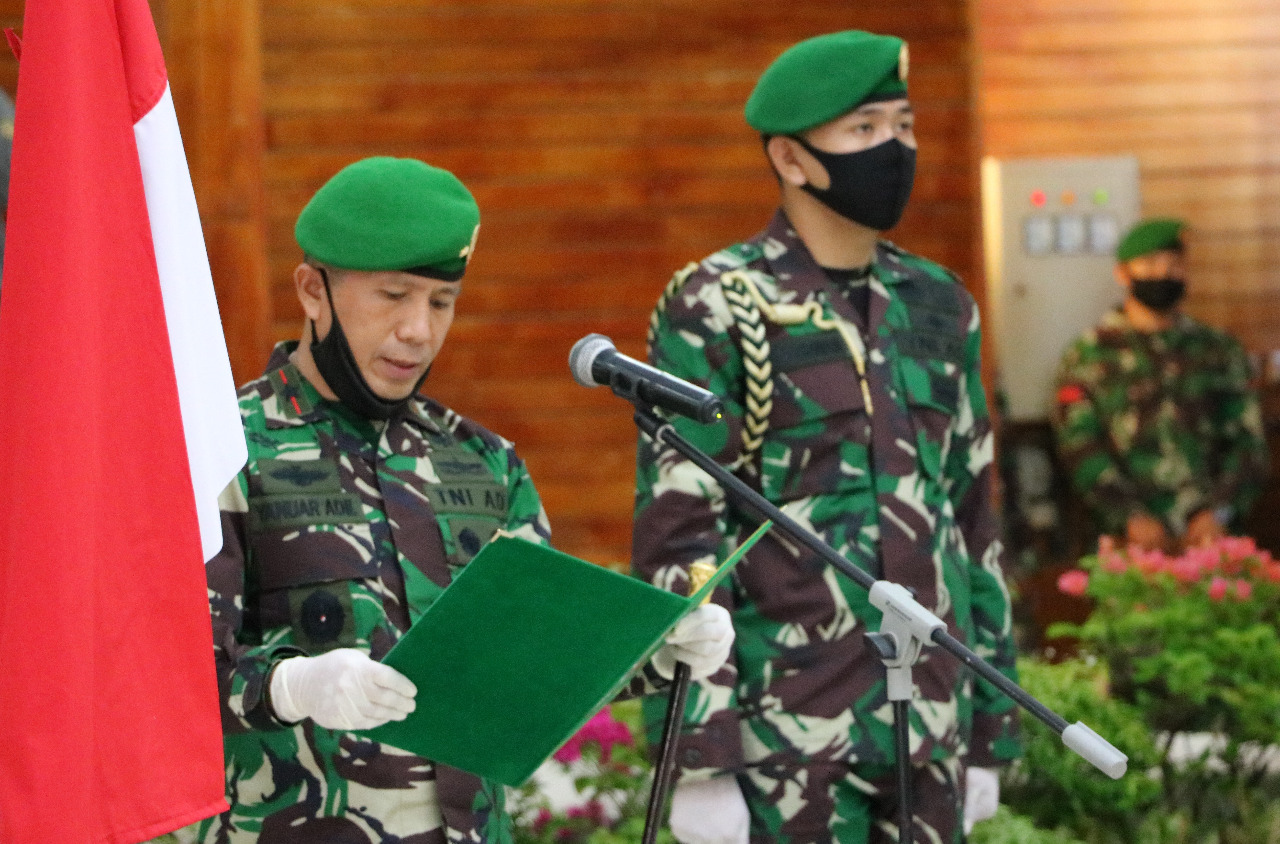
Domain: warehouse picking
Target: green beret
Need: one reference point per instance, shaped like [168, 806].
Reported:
[824, 77]
[391, 214]
[1151, 236]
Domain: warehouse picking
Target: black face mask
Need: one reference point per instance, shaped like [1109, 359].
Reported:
[1159, 294]
[338, 367]
[870, 187]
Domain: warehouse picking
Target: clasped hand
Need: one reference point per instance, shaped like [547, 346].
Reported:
[340, 690]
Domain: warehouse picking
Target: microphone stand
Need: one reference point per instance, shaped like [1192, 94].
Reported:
[905, 627]
[664, 765]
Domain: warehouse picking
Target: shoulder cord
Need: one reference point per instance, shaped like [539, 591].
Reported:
[743, 306]
[744, 302]
[749, 309]
[747, 305]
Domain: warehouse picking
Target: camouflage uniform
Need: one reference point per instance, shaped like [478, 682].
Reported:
[339, 533]
[893, 470]
[1162, 422]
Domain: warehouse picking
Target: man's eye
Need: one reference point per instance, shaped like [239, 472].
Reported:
[394, 295]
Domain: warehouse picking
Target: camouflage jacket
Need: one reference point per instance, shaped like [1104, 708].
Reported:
[1162, 422]
[339, 533]
[893, 470]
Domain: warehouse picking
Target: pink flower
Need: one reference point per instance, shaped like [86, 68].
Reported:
[602, 729]
[1237, 548]
[1217, 589]
[593, 811]
[1151, 562]
[1074, 582]
[1244, 589]
[1106, 544]
[1207, 559]
[1185, 570]
[1115, 562]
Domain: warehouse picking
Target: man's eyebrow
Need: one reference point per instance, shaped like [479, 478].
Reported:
[881, 108]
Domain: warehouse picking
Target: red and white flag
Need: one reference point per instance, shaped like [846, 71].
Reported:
[119, 429]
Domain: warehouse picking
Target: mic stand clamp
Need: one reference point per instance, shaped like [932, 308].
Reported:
[905, 627]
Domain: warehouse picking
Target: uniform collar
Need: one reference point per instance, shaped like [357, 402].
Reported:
[297, 402]
[791, 262]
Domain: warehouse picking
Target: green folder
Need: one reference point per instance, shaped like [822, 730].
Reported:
[521, 650]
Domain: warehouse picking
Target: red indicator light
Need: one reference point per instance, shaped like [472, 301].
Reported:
[1038, 198]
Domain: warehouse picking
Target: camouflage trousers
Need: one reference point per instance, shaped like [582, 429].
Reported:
[834, 803]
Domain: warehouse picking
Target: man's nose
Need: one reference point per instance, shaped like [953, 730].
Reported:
[415, 323]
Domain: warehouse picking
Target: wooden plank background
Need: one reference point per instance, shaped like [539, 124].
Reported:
[604, 142]
[605, 145]
[1189, 86]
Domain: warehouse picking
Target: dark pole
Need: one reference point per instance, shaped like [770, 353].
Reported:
[665, 764]
[902, 738]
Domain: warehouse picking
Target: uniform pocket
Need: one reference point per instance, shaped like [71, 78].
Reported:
[465, 535]
[311, 540]
[819, 430]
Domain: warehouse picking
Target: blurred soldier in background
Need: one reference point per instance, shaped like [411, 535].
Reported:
[1155, 417]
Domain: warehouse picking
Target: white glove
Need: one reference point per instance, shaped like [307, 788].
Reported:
[981, 796]
[709, 812]
[701, 640]
[341, 690]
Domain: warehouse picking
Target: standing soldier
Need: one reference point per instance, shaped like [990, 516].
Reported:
[849, 369]
[1155, 418]
[361, 499]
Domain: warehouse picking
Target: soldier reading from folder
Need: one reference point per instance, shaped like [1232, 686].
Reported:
[360, 501]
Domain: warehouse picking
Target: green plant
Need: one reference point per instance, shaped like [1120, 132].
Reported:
[1008, 828]
[1194, 640]
[1191, 649]
[1053, 787]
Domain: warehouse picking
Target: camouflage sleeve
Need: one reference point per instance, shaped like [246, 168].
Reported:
[680, 511]
[970, 465]
[1083, 445]
[243, 668]
[1243, 444]
[526, 517]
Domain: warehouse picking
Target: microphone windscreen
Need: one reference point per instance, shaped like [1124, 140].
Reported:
[584, 354]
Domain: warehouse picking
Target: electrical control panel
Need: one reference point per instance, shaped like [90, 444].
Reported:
[1050, 229]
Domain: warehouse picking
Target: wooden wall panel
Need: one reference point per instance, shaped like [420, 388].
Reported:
[605, 144]
[213, 55]
[1186, 85]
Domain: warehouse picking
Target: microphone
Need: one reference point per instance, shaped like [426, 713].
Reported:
[595, 361]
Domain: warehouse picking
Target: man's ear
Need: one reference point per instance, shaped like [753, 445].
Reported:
[309, 285]
[782, 152]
